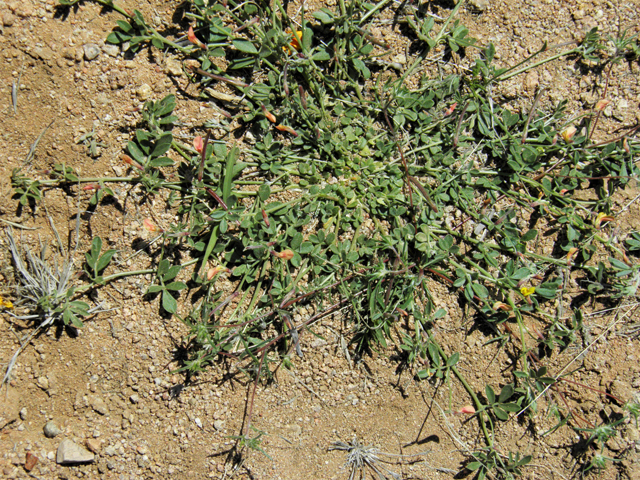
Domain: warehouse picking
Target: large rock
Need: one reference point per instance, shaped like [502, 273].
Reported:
[70, 453]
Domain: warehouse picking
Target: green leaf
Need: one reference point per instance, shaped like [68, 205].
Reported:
[169, 303]
[136, 153]
[244, 46]
[124, 26]
[307, 247]
[505, 393]
[547, 289]
[116, 38]
[80, 308]
[321, 56]
[264, 191]
[176, 286]
[324, 15]
[137, 39]
[166, 105]
[453, 359]
[155, 289]
[307, 38]
[530, 235]
[163, 267]
[491, 396]
[105, 259]
[445, 243]
[162, 146]
[171, 273]
[161, 162]
[96, 246]
[473, 466]
[69, 317]
[500, 413]
[480, 290]
[511, 407]
[232, 156]
[169, 120]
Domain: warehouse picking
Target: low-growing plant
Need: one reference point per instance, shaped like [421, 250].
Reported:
[346, 196]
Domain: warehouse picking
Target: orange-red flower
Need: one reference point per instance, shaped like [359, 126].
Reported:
[270, 116]
[150, 226]
[450, 109]
[284, 128]
[285, 254]
[198, 144]
[193, 39]
[216, 270]
[602, 217]
[294, 44]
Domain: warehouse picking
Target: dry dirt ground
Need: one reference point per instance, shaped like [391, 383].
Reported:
[109, 386]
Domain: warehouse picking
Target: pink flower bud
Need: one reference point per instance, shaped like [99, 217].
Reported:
[216, 270]
[284, 255]
[602, 104]
[198, 144]
[150, 226]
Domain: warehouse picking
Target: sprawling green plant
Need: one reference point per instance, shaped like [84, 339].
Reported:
[347, 194]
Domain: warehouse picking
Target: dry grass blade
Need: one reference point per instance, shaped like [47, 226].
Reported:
[39, 287]
[360, 457]
[44, 292]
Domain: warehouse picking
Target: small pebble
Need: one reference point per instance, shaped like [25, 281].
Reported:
[218, 425]
[480, 5]
[93, 444]
[91, 51]
[143, 92]
[51, 430]
[43, 383]
[8, 19]
[173, 67]
[111, 50]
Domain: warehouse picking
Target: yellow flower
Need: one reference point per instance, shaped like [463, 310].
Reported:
[296, 38]
[5, 303]
[526, 291]
[602, 217]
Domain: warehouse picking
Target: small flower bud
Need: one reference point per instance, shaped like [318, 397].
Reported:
[284, 255]
[198, 144]
[150, 226]
[569, 133]
[467, 409]
[602, 104]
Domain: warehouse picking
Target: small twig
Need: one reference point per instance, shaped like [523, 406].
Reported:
[253, 394]
[15, 88]
[17, 353]
[17, 225]
[531, 113]
[32, 150]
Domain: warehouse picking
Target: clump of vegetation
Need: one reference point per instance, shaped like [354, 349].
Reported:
[348, 198]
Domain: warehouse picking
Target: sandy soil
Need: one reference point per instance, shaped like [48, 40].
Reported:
[109, 386]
